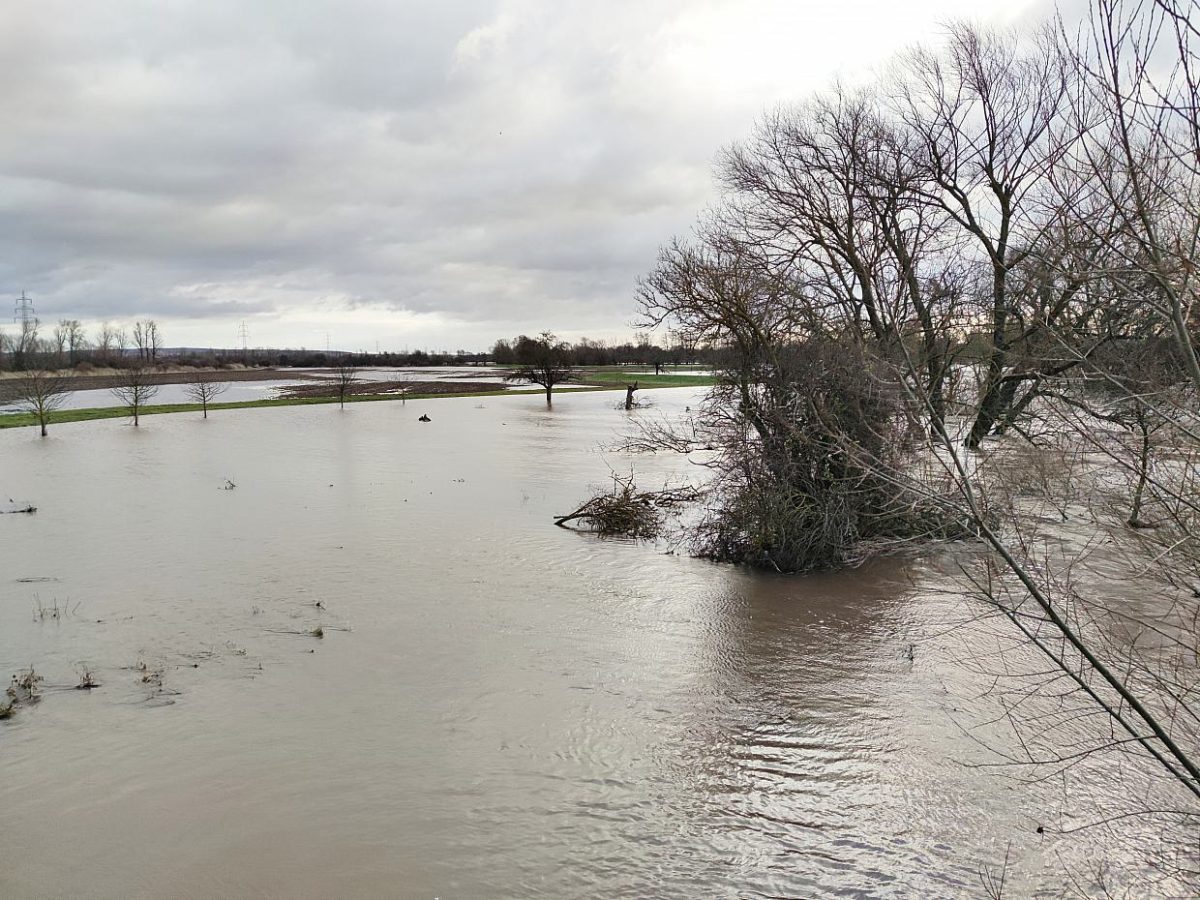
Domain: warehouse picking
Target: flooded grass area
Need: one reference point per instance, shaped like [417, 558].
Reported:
[348, 653]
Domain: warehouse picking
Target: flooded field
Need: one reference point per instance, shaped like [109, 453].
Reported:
[496, 707]
[242, 391]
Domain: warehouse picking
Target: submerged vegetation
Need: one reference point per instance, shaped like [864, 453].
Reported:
[23, 690]
[946, 306]
[624, 511]
[598, 380]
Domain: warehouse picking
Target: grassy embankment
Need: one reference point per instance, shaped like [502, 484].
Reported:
[615, 377]
[590, 381]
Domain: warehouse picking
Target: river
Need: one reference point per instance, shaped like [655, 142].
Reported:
[497, 708]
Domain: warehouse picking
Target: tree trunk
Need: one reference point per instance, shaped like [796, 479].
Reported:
[992, 405]
[1011, 408]
[1143, 477]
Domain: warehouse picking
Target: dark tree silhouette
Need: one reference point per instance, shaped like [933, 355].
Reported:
[543, 360]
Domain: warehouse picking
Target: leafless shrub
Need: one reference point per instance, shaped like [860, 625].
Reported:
[87, 680]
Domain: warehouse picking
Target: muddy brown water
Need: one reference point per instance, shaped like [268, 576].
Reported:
[498, 707]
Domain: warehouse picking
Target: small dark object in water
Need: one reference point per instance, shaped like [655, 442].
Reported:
[424, 418]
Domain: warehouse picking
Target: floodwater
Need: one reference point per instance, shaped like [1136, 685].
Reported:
[498, 707]
[239, 391]
[235, 391]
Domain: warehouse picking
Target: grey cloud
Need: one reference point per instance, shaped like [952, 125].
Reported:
[494, 163]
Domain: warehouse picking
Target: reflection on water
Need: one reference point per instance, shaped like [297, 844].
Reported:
[499, 708]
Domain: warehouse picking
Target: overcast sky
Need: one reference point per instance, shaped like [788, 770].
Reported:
[418, 174]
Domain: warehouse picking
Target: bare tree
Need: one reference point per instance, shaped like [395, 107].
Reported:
[75, 338]
[203, 389]
[39, 392]
[110, 342]
[543, 360]
[988, 118]
[1141, 153]
[1067, 176]
[810, 437]
[345, 377]
[140, 340]
[834, 194]
[136, 389]
[147, 339]
[154, 340]
[24, 345]
[59, 343]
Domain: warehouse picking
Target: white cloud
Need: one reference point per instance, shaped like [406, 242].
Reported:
[436, 173]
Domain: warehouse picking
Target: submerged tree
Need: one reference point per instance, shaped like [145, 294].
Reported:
[345, 377]
[136, 389]
[812, 439]
[542, 360]
[203, 389]
[40, 393]
[1033, 208]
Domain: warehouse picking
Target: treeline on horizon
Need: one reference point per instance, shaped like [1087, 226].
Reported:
[67, 345]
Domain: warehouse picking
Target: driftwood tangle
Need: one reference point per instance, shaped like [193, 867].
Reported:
[627, 511]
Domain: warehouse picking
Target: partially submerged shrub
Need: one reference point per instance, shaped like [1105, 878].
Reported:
[53, 612]
[817, 462]
[798, 525]
[24, 687]
[627, 512]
